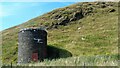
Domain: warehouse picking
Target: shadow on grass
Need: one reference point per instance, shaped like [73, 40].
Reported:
[56, 53]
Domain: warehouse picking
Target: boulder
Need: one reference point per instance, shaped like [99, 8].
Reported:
[112, 10]
[63, 21]
[76, 16]
[57, 16]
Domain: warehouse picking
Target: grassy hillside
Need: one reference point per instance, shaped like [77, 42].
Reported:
[82, 29]
[75, 61]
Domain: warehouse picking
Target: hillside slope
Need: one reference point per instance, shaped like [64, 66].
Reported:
[89, 28]
[108, 0]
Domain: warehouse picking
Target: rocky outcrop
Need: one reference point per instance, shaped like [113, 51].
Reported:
[66, 18]
[108, 0]
[63, 21]
[76, 16]
[112, 10]
[67, 15]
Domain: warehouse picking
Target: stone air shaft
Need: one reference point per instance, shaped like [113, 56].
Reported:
[32, 45]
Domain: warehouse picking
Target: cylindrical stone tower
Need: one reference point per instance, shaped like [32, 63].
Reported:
[32, 45]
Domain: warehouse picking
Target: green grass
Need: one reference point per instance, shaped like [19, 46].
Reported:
[103, 60]
[98, 34]
[81, 61]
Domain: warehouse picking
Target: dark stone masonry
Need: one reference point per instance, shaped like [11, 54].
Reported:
[32, 45]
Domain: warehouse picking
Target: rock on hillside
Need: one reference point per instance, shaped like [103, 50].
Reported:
[64, 16]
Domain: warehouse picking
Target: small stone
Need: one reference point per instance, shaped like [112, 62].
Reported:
[83, 38]
[79, 28]
[34, 30]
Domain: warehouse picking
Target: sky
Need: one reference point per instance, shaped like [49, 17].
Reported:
[13, 12]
